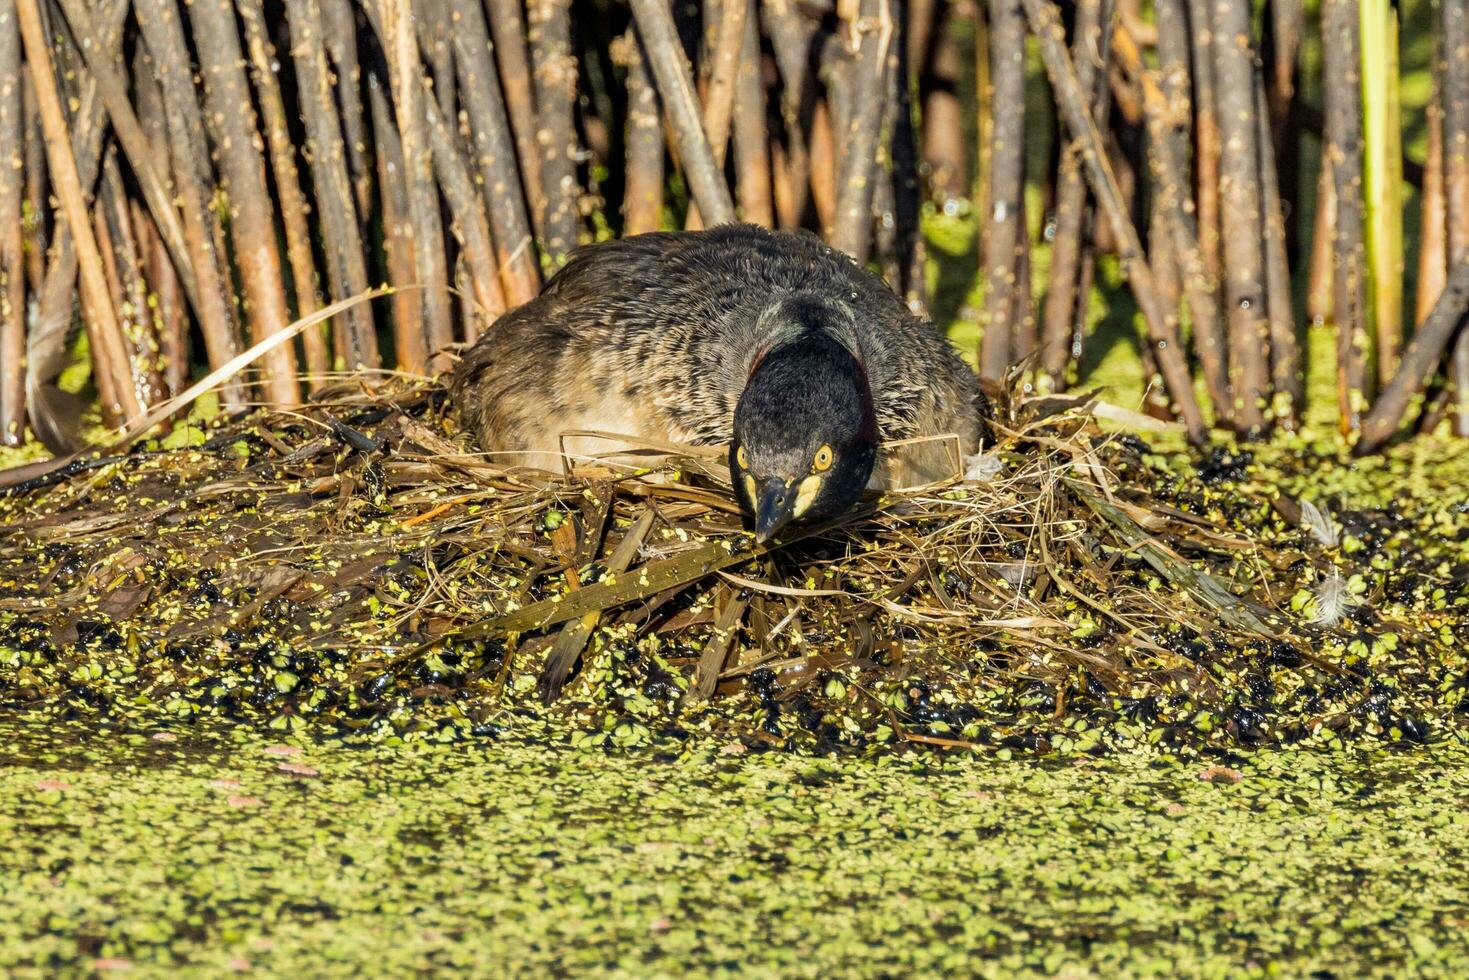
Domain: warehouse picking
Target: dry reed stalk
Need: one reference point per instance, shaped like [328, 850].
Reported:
[872, 31]
[1090, 52]
[753, 188]
[469, 225]
[12, 254]
[1323, 232]
[940, 75]
[293, 205]
[192, 180]
[170, 307]
[433, 29]
[1341, 42]
[36, 184]
[407, 304]
[231, 114]
[674, 80]
[549, 34]
[905, 179]
[109, 351]
[642, 194]
[1455, 39]
[1433, 264]
[126, 261]
[336, 206]
[507, 28]
[105, 65]
[790, 40]
[1005, 302]
[1242, 225]
[495, 154]
[339, 28]
[721, 70]
[1073, 103]
[1206, 132]
[1425, 352]
[1286, 378]
[425, 226]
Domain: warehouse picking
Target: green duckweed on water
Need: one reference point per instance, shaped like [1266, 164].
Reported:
[229, 852]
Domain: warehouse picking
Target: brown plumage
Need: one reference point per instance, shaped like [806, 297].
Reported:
[656, 335]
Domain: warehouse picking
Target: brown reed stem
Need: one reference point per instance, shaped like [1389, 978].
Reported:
[126, 269]
[36, 184]
[407, 304]
[242, 168]
[170, 315]
[1090, 52]
[495, 152]
[1005, 304]
[674, 80]
[1073, 103]
[721, 70]
[873, 32]
[751, 135]
[1323, 232]
[642, 195]
[1340, 27]
[507, 28]
[1206, 132]
[423, 196]
[1455, 38]
[549, 23]
[1241, 218]
[12, 256]
[1286, 378]
[109, 351]
[336, 207]
[1433, 230]
[164, 36]
[339, 30]
[790, 41]
[293, 206]
[1167, 148]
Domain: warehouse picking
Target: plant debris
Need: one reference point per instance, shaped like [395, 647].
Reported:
[352, 568]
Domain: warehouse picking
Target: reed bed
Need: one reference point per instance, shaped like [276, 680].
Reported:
[179, 182]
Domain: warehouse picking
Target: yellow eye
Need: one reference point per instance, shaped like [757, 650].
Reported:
[824, 458]
[741, 458]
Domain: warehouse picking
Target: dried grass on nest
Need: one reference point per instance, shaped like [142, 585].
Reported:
[354, 563]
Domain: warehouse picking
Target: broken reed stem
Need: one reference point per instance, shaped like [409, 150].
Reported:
[549, 23]
[1003, 217]
[131, 290]
[873, 32]
[1073, 102]
[751, 135]
[293, 206]
[164, 36]
[1455, 39]
[1426, 351]
[242, 169]
[406, 304]
[427, 232]
[671, 74]
[494, 150]
[642, 195]
[1242, 226]
[1342, 65]
[511, 57]
[1091, 54]
[12, 256]
[109, 350]
[336, 207]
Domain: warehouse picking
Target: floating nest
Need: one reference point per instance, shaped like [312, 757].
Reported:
[354, 568]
